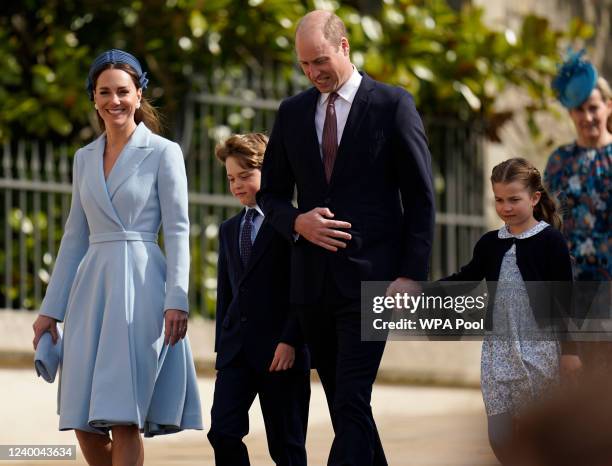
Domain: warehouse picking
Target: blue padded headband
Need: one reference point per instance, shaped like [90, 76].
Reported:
[115, 56]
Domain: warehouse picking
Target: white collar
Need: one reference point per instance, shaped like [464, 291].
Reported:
[348, 90]
[257, 208]
[504, 232]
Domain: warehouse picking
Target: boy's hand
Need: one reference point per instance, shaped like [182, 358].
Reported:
[317, 228]
[284, 357]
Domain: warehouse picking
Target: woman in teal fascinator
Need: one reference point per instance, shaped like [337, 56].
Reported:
[580, 175]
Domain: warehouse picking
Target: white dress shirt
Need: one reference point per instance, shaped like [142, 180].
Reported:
[346, 95]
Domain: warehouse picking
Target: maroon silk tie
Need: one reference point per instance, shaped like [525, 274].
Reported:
[330, 136]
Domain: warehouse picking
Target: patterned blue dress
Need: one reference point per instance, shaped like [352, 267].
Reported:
[516, 368]
[581, 178]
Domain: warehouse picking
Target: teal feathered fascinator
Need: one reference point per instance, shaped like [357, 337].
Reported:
[575, 80]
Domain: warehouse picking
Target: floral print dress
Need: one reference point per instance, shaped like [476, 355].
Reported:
[581, 179]
[517, 364]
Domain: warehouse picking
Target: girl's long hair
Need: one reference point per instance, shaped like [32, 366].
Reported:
[520, 169]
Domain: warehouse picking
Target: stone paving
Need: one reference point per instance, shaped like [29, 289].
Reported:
[419, 426]
[421, 422]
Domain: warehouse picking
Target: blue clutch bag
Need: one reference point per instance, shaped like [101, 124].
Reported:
[48, 356]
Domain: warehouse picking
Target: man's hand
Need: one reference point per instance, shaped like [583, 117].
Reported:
[317, 228]
[284, 357]
[402, 285]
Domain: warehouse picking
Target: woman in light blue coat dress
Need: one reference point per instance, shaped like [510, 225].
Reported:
[127, 365]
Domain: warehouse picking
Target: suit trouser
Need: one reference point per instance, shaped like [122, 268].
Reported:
[284, 398]
[347, 368]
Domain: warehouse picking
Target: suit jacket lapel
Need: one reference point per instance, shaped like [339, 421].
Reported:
[310, 142]
[262, 241]
[234, 244]
[94, 173]
[136, 150]
[359, 110]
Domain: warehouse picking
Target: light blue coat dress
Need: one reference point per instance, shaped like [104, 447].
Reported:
[111, 284]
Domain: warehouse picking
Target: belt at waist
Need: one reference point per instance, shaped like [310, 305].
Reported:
[123, 236]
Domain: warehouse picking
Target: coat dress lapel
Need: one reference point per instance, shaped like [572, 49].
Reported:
[94, 174]
[133, 154]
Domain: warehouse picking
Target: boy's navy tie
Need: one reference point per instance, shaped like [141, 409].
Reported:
[246, 245]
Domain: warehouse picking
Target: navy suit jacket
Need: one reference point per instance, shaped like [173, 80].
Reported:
[381, 183]
[253, 308]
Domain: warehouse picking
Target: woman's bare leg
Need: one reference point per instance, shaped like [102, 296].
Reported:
[128, 449]
[96, 448]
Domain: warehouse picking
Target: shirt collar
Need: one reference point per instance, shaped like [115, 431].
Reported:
[257, 208]
[504, 232]
[348, 90]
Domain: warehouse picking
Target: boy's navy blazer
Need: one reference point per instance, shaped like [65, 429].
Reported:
[253, 309]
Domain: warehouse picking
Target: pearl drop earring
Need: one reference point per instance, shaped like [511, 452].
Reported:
[138, 104]
[96, 106]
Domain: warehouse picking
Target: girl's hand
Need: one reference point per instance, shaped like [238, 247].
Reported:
[284, 357]
[402, 285]
[175, 326]
[569, 366]
[44, 324]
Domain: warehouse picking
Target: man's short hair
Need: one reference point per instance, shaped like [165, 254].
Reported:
[247, 149]
[333, 29]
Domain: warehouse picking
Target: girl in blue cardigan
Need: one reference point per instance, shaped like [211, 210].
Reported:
[529, 247]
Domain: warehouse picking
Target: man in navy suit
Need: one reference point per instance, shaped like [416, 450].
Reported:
[357, 153]
[260, 350]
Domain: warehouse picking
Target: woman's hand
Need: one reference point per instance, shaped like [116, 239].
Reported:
[44, 324]
[284, 356]
[176, 326]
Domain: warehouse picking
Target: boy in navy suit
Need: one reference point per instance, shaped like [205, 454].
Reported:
[259, 346]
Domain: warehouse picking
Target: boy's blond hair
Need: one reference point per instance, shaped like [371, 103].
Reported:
[247, 149]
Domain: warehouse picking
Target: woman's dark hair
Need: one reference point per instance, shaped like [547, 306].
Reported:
[146, 113]
[520, 169]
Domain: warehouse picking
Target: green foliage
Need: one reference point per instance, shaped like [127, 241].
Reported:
[454, 63]
[42, 62]
[451, 61]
